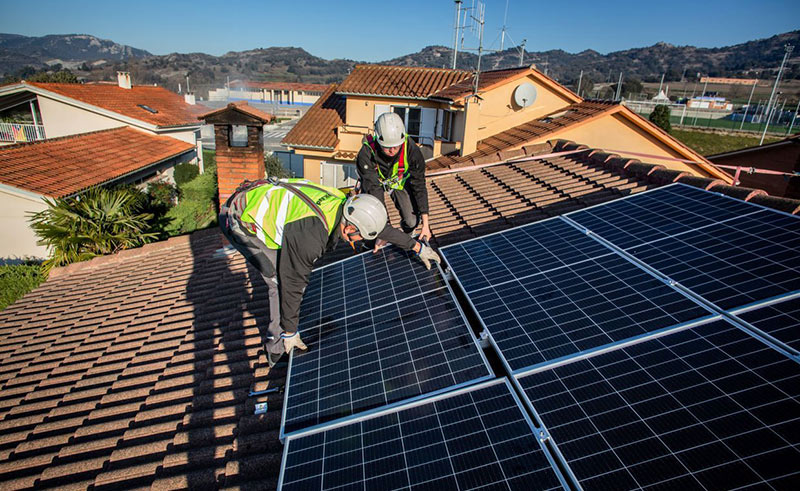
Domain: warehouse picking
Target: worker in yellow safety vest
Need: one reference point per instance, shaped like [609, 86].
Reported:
[283, 226]
[390, 162]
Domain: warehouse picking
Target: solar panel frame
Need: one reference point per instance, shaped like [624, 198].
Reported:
[492, 337]
[783, 336]
[520, 405]
[468, 332]
[732, 352]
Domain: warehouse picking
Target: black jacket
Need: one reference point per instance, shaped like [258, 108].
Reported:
[366, 163]
[305, 241]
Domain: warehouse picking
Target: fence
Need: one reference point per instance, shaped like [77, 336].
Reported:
[19, 132]
[741, 119]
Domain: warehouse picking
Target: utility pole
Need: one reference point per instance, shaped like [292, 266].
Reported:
[580, 79]
[794, 116]
[747, 108]
[480, 22]
[619, 88]
[455, 34]
[503, 35]
[522, 52]
[661, 84]
[788, 51]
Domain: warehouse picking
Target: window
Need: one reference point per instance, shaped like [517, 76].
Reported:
[444, 124]
[419, 122]
[238, 136]
[148, 108]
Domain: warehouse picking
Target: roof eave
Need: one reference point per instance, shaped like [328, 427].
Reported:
[356, 94]
[24, 193]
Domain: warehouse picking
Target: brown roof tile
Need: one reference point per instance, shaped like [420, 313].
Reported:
[171, 108]
[464, 87]
[63, 166]
[242, 107]
[399, 81]
[317, 128]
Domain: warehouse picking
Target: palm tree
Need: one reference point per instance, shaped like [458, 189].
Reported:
[97, 222]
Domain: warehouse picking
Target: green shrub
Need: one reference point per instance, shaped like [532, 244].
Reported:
[660, 117]
[17, 280]
[99, 221]
[274, 167]
[201, 188]
[161, 195]
[185, 172]
[190, 215]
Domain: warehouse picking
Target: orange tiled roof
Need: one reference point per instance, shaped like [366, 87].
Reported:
[133, 370]
[242, 107]
[64, 166]
[397, 81]
[488, 78]
[281, 86]
[171, 109]
[318, 127]
[526, 132]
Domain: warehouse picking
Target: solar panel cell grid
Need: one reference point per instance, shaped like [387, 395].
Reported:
[475, 439]
[381, 356]
[779, 320]
[744, 260]
[520, 252]
[364, 282]
[708, 407]
[658, 214]
[589, 304]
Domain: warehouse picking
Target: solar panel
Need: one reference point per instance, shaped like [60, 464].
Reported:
[747, 259]
[404, 347]
[657, 214]
[567, 310]
[707, 407]
[520, 252]
[780, 320]
[479, 437]
[363, 282]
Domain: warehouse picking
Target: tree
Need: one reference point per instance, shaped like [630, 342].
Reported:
[632, 86]
[660, 117]
[274, 167]
[99, 221]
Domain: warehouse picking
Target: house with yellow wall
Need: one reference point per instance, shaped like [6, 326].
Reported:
[457, 117]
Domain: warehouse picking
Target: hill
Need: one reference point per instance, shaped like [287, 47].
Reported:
[92, 58]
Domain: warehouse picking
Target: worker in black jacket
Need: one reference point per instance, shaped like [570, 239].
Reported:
[283, 227]
[390, 162]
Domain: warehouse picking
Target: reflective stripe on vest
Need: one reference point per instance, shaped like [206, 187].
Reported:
[270, 208]
[400, 174]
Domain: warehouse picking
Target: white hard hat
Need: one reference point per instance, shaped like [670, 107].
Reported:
[367, 213]
[390, 130]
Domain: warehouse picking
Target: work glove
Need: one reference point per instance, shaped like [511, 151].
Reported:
[427, 254]
[293, 341]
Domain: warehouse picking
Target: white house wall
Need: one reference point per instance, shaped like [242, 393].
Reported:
[18, 240]
[62, 119]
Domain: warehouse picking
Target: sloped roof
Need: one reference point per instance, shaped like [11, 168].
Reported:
[526, 132]
[63, 166]
[134, 369]
[317, 128]
[399, 81]
[242, 107]
[171, 109]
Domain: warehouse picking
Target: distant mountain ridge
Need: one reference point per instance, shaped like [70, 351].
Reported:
[93, 58]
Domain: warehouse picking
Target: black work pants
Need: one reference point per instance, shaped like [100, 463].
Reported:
[265, 260]
[409, 211]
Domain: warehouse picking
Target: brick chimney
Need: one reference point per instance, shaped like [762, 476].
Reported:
[239, 138]
[124, 79]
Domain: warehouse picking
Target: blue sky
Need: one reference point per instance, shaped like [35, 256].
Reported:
[378, 30]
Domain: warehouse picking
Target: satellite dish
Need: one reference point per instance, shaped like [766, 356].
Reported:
[524, 94]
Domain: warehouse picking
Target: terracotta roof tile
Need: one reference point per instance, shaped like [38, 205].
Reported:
[397, 81]
[171, 108]
[242, 107]
[317, 128]
[464, 87]
[63, 166]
